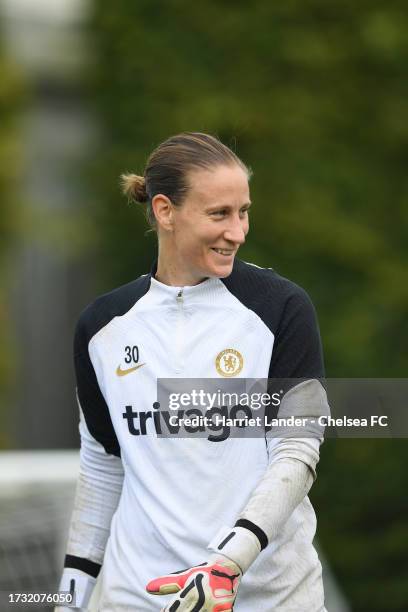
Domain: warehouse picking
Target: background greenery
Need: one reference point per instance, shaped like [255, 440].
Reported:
[313, 96]
[12, 98]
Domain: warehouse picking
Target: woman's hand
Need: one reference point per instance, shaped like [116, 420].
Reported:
[209, 587]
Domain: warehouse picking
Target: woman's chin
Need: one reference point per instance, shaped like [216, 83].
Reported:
[221, 270]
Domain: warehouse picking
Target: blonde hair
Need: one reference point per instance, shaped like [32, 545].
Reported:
[134, 187]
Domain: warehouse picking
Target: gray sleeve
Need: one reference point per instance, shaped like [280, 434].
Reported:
[292, 463]
[306, 401]
[97, 495]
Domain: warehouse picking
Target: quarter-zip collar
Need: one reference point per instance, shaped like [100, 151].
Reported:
[207, 290]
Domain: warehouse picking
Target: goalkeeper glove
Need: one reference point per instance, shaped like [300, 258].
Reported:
[209, 587]
[212, 586]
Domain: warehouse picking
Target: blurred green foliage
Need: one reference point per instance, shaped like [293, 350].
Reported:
[11, 97]
[313, 96]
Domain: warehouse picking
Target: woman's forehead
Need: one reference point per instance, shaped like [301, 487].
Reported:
[222, 182]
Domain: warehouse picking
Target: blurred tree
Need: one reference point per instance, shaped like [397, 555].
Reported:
[11, 96]
[313, 95]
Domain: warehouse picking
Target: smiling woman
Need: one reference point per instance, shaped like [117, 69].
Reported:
[148, 503]
[197, 197]
[201, 238]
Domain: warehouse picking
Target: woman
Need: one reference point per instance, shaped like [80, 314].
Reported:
[235, 512]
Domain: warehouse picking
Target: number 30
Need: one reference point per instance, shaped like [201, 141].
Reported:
[132, 354]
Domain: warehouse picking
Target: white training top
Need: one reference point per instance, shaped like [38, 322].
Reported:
[177, 492]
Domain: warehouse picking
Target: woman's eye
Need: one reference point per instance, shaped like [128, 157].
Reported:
[219, 213]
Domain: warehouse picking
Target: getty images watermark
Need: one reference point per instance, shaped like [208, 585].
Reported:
[249, 408]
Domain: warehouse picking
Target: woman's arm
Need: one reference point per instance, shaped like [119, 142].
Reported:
[97, 495]
[287, 480]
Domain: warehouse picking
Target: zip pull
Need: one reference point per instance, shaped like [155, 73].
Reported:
[180, 295]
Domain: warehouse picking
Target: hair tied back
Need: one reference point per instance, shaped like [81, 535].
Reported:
[134, 187]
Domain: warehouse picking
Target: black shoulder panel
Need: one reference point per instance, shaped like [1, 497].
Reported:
[288, 312]
[95, 317]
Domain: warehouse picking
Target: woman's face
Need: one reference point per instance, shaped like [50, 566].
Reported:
[211, 224]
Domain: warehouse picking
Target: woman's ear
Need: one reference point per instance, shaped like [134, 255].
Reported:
[163, 211]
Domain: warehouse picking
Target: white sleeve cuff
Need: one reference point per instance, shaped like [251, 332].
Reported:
[238, 544]
[80, 585]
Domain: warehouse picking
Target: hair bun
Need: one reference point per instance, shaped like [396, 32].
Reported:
[134, 187]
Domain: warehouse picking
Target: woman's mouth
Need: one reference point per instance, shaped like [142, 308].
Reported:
[224, 252]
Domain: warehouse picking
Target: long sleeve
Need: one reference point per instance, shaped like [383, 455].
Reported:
[98, 491]
[287, 480]
[292, 463]
[97, 495]
[100, 478]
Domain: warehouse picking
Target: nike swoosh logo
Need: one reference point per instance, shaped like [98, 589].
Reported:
[120, 372]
